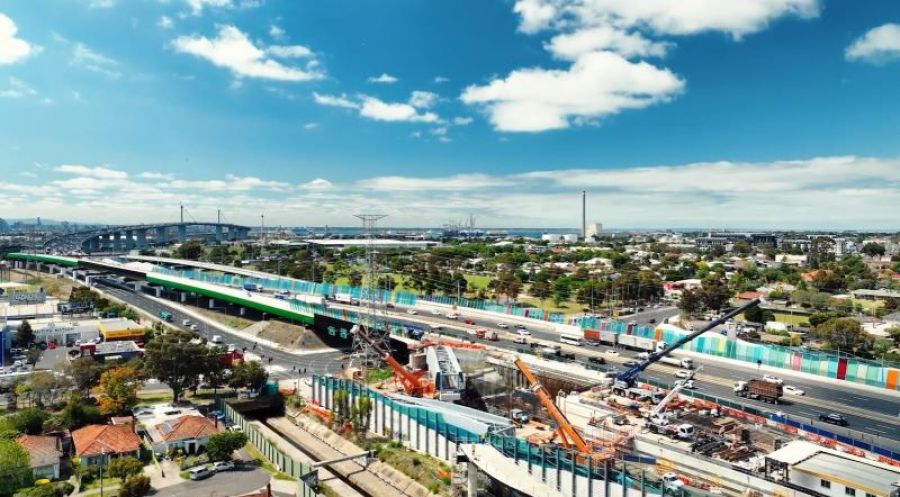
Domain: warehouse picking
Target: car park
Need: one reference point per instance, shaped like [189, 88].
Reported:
[790, 389]
[223, 466]
[834, 419]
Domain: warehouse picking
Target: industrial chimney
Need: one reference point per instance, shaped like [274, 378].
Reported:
[583, 215]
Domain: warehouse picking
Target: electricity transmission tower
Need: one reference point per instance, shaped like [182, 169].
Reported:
[369, 300]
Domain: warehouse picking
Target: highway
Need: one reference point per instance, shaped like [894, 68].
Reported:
[282, 364]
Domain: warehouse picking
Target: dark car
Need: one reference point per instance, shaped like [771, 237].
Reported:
[651, 320]
[834, 419]
[596, 360]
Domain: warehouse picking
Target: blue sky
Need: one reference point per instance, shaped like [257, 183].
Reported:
[742, 113]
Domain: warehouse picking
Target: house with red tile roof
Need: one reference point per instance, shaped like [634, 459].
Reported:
[43, 454]
[95, 441]
[189, 433]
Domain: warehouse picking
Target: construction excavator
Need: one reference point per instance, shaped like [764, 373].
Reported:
[413, 383]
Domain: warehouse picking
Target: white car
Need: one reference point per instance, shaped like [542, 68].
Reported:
[502, 325]
[411, 312]
[688, 384]
[453, 315]
[523, 332]
[612, 352]
[223, 466]
[682, 373]
[186, 322]
[773, 379]
[435, 312]
[435, 326]
[790, 389]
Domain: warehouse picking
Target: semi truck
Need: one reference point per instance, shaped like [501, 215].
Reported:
[638, 343]
[757, 389]
[681, 362]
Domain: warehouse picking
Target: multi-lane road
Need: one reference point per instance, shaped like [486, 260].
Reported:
[872, 413]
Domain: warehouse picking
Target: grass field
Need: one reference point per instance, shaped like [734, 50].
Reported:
[565, 307]
[478, 281]
[235, 322]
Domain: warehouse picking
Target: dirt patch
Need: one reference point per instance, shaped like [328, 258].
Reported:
[291, 335]
[235, 322]
[56, 287]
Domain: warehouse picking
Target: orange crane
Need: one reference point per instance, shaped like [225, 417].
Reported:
[567, 434]
[413, 384]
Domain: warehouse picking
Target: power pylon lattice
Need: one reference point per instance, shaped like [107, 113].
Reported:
[362, 350]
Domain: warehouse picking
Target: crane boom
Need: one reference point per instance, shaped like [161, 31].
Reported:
[567, 432]
[627, 377]
[412, 385]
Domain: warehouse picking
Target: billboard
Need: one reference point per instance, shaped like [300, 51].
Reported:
[27, 298]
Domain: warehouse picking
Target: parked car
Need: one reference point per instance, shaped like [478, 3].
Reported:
[834, 419]
[790, 389]
[199, 473]
[772, 379]
[223, 466]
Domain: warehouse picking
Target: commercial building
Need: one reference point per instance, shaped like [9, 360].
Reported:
[832, 473]
[111, 351]
[120, 329]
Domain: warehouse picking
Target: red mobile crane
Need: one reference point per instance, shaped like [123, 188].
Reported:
[413, 383]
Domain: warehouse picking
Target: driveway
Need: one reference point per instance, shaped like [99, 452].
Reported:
[240, 481]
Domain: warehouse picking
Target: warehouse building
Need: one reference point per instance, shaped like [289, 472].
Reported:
[121, 329]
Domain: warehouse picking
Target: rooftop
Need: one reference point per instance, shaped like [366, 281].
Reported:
[42, 450]
[119, 324]
[93, 440]
[184, 427]
[855, 472]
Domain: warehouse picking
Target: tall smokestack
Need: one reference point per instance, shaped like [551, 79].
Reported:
[583, 215]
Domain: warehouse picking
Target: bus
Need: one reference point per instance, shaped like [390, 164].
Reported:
[571, 339]
[167, 316]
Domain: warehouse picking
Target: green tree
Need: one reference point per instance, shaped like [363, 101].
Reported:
[135, 486]
[123, 467]
[873, 249]
[57, 489]
[178, 360]
[248, 374]
[221, 445]
[192, 250]
[355, 278]
[894, 333]
[690, 303]
[842, 333]
[540, 290]
[25, 335]
[78, 412]
[117, 390]
[85, 372]
[714, 294]
[15, 472]
[28, 421]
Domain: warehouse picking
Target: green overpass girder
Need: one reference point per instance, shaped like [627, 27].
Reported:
[249, 303]
[50, 259]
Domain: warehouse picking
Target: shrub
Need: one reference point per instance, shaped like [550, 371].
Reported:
[190, 462]
[135, 486]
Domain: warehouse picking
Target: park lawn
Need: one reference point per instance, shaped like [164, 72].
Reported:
[792, 319]
[150, 397]
[564, 307]
[478, 281]
[235, 322]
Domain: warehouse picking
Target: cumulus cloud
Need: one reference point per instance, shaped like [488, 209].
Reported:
[165, 22]
[13, 49]
[277, 32]
[459, 182]
[384, 78]
[155, 175]
[422, 99]
[462, 121]
[570, 46]
[878, 45]
[317, 184]
[289, 51]
[335, 101]
[197, 6]
[596, 85]
[380, 110]
[233, 50]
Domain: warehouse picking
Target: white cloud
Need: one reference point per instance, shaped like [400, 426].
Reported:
[13, 49]
[335, 101]
[444, 139]
[384, 78]
[661, 17]
[422, 99]
[570, 46]
[879, 45]
[460, 182]
[310, 126]
[462, 121]
[231, 183]
[155, 175]
[317, 184]
[379, 110]
[197, 6]
[277, 32]
[84, 57]
[92, 172]
[165, 22]
[101, 4]
[289, 51]
[440, 130]
[17, 89]
[233, 50]
[596, 85]
[441, 79]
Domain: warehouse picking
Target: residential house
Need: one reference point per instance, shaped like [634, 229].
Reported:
[44, 453]
[189, 433]
[878, 295]
[94, 442]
